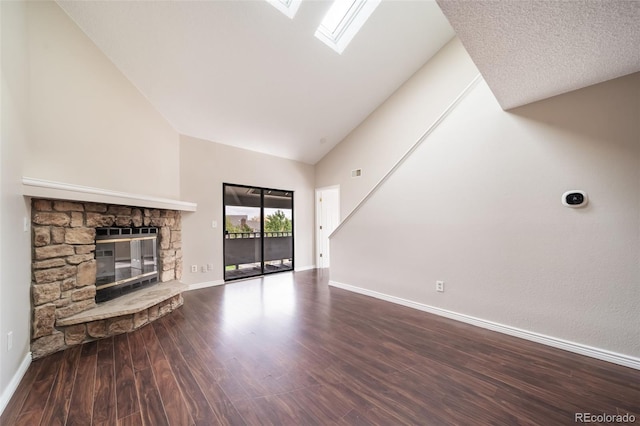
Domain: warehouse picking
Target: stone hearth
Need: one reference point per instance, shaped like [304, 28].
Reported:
[64, 272]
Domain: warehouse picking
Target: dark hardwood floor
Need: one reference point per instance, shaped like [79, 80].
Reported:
[289, 350]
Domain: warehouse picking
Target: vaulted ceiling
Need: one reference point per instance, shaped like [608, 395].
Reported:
[241, 73]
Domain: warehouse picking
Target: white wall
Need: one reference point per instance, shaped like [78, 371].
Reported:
[65, 107]
[205, 166]
[88, 123]
[478, 205]
[15, 307]
[388, 133]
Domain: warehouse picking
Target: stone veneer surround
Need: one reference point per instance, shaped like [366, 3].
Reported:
[64, 269]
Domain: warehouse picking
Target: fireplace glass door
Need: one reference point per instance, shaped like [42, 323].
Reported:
[126, 260]
[258, 231]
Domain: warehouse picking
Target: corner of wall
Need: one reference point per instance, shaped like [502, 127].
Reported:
[487, 218]
[389, 132]
[14, 247]
[70, 132]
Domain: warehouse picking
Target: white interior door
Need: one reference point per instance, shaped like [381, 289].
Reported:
[327, 219]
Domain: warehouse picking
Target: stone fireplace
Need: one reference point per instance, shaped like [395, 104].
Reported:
[64, 272]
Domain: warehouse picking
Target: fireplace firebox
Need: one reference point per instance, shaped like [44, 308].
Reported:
[126, 260]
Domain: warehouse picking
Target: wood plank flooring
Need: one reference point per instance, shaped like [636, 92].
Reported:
[289, 350]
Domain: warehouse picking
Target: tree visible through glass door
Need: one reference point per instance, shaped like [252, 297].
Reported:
[258, 233]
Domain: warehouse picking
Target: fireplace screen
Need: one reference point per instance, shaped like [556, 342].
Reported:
[126, 260]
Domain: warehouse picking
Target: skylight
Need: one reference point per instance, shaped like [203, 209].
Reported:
[288, 7]
[343, 21]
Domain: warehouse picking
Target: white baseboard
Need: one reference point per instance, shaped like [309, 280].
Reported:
[15, 381]
[305, 268]
[602, 354]
[206, 284]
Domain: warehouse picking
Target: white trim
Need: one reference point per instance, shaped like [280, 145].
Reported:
[305, 268]
[323, 262]
[602, 354]
[287, 7]
[15, 381]
[197, 286]
[325, 188]
[407, 154]
[32, 187]
[340, 26]
[207, 284]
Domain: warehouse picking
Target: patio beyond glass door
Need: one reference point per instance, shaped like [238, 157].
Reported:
[258, 232]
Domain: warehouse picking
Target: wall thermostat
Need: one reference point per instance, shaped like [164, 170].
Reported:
[575, 199]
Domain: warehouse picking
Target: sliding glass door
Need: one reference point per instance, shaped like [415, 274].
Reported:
[258, 231]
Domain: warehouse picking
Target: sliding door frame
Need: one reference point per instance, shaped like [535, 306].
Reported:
[262, 231]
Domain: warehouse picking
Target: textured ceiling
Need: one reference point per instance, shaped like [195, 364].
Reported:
[241, 73]
[529, 50]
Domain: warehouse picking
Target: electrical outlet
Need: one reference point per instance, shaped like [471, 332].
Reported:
[440, 286]
[194, 268]
[204, 269]
[9, 340]
[209, 267]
